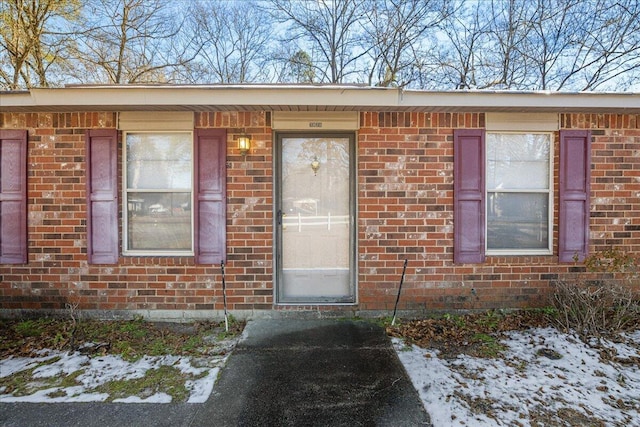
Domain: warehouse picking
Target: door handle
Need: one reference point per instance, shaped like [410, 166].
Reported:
[279, 217]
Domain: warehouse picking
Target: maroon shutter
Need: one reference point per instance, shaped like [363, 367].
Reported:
[210, 198]
[102, 196]
[468, 196]
[13, 196]
[575, 175]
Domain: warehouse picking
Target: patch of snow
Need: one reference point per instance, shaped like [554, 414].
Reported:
[506, 391]
[73, 394]
[156, 398]
[201, 389]
[96, 371]
[12, 365]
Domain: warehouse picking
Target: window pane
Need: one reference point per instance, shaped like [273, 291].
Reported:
[517, 221]
[159, 161]
[518, 161]
[159, 221]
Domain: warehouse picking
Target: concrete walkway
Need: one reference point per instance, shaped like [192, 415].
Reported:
[286, 373]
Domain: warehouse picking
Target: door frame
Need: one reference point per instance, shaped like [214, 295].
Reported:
[277, 224]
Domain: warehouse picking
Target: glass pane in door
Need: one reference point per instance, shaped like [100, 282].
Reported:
[315, 221]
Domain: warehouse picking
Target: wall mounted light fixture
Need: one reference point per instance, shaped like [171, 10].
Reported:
[244, 144]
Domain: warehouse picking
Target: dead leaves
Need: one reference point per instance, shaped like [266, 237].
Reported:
[27, 338]
[468, 334]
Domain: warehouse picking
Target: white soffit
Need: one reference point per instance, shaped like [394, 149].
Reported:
[315, 120]
[532, 122]
[157, 120]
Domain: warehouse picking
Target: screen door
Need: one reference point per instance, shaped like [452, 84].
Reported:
[315, 219]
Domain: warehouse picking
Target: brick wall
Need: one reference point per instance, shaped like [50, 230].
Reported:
[405, 212]
[249, 209]
[405, 197]
[615, 178]
[58, 274]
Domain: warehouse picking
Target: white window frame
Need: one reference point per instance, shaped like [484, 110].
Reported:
[549, 192]
[125, 191]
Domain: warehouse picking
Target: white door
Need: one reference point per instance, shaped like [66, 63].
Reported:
[314, 218]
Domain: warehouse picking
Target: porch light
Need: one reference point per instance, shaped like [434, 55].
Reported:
[244, 144]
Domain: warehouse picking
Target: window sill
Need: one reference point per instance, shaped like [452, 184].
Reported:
[519, 253]
[157, 254]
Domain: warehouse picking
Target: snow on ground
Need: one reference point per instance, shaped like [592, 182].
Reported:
[543, 374]
[92, 372]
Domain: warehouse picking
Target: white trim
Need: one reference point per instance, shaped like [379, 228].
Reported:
[522, 122]
[163, 253]
[156, 121]
[532, 252]
[308, 98]
[315, 121]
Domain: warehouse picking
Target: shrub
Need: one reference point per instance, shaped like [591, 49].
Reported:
[597, 308]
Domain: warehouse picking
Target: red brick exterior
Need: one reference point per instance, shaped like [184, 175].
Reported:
[405, 211]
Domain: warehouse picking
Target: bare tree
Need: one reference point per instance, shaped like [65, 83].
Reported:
[34, 41]
[508, 27]
[482, 46]
[131, 41]
[459, 57]
[234, 39]
[398, 36]
[579, 45]
[546, 44]
[330, 30]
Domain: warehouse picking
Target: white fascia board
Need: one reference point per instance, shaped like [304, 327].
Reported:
[510, 101]
[15, 99]
[123, 96]
[293, 97]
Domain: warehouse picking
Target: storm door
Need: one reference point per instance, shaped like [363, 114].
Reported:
[314, 218]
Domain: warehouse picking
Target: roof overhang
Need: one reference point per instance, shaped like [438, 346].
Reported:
[308, 98]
